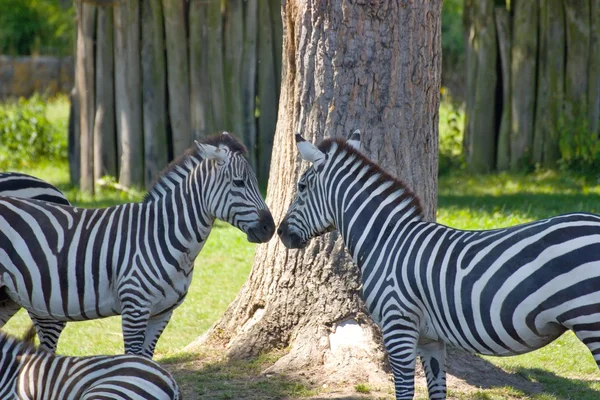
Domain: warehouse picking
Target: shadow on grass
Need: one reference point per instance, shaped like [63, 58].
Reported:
[534, 205]
[242, 379]
[523, 382]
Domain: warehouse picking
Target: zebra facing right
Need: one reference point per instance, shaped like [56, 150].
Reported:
[64, 263]
[495, 292]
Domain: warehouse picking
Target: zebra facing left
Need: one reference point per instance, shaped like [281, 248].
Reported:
[496, 292]
[29, 373]
[65, 263]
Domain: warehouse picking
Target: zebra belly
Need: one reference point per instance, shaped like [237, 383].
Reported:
[70, 309]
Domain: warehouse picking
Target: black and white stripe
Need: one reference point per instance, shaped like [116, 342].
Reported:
[65, 263]
[498, 292]
[29, 373]
[16, 184]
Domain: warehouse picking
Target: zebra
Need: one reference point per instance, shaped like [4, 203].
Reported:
[30, 373]
[64, 263]
[495, 292]
[16, 184]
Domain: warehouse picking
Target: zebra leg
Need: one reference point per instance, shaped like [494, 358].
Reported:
[400, 337]
[48, 330]
[134, 322]
[433, 357]
[155, 328]
[590, 336]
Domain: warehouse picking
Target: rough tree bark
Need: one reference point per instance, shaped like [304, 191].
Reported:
[375, 67]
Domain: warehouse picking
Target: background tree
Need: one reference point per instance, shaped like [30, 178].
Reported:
[375, 67]
[539, 102]
[153, 75]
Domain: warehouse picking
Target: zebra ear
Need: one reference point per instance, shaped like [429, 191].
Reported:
[211, 152]
[354, 140]
[308, 151]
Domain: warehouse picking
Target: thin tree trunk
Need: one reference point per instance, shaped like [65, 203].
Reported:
[267, 92]
[577, 17]
[330, 88]
[178, 75]
[594, 71]
[105, 147]
[84, 81]
[215, 63]
[156, 155]
[481, 123]
[523, 80]
[504, 44]
[200, 97]
[277, 28]
[549, 99]
[234, 39]
[249, 80]
[128, 93]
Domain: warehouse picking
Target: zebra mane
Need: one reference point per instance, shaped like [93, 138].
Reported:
[187, 161]
[375, 169]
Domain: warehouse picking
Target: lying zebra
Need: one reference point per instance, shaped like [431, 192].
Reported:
[65, 263]
[498, 292]
[29, 373]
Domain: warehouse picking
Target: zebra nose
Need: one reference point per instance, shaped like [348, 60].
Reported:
[279, 231]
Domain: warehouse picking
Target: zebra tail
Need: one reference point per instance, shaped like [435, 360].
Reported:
[29, 336]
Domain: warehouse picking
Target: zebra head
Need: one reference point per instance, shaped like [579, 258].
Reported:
[308, 217]
[233, 193]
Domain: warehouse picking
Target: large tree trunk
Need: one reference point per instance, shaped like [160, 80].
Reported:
[502, 18]
[373, 67]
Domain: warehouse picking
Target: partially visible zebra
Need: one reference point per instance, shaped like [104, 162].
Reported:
[16, 184]
[29, 373]
[497, 292]
[65, 263]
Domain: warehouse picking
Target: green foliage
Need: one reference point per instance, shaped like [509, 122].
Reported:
[453, 44]
[27, 136]
[451, 131]
[36, 27]
[579, 148]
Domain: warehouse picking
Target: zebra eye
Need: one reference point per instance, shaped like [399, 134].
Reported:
[238, 183]
[301, 187]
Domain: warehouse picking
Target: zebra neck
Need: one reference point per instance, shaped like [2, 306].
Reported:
[368, 210]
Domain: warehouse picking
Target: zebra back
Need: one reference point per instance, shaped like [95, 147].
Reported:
[16, 184]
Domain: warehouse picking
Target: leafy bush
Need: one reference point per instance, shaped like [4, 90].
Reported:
[36, 26]
[579, 148]
[453, 45]
[27, 136]
[451, 130]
